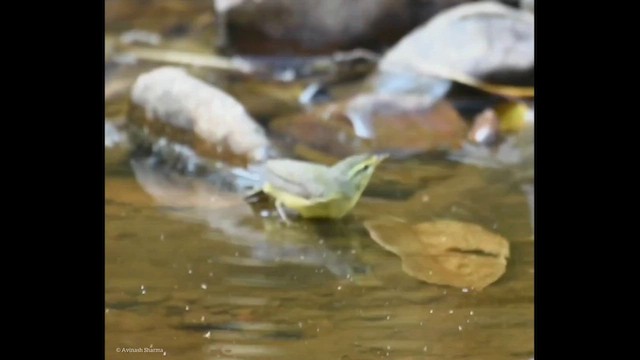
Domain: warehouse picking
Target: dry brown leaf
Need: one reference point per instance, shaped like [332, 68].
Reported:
[444, 252]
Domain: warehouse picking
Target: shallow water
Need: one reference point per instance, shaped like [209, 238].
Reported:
[199, 276]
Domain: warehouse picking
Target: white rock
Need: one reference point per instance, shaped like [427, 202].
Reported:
[171, 95]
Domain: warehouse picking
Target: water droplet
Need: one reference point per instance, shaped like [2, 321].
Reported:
[425, 348]
[317, 329]
[450, 311]
[339, 287]
[465, 290]
[208, 334]
[164, 353]
[431, 311]
[141, 287]
[459, 328]
[186, 308]
[388, 317]
[388, 347]
[144, 292]
[300, 324]
[203, 286]
[190, 272]
[471, 312]
[264, 213]
[353, 251]
[106, 311]
[202, 318]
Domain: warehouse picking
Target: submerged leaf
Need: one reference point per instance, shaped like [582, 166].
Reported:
[405, 124]
[444, 252]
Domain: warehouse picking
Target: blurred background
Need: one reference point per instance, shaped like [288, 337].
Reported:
[434, 261]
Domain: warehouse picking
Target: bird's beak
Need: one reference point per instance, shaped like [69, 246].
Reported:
[380, 157]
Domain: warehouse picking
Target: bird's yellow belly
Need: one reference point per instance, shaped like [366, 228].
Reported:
[331, 208]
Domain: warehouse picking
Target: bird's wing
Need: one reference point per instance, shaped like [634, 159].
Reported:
[300, 178]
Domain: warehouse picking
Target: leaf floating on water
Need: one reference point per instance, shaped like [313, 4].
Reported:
[468, 44]
[170, 95]
[444, 252]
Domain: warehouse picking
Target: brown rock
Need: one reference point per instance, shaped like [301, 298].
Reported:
[314, 27]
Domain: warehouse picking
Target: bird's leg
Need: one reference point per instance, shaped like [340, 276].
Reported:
[282, 212]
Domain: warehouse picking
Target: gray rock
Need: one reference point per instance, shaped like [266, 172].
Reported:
[479, 40]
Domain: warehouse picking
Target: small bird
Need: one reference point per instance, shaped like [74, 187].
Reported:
[319, 191]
